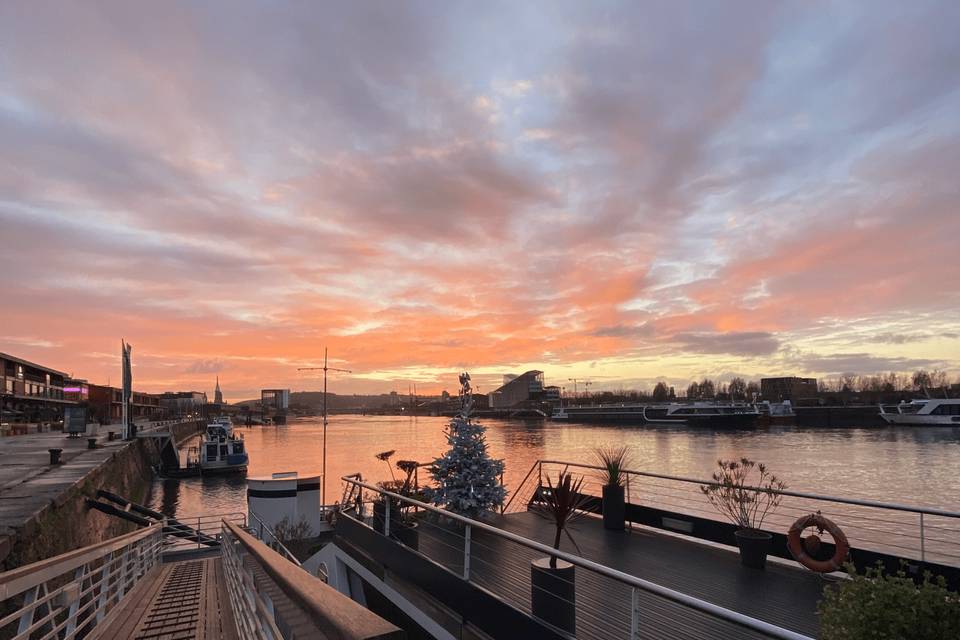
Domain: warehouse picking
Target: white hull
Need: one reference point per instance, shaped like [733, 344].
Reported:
[908, 419]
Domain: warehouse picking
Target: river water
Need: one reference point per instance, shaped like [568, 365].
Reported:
[918, 466]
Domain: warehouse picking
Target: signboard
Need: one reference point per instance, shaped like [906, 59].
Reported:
[75, 419]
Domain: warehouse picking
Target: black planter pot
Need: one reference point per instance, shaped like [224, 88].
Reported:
[553, 594]
[754, 546]
[614, 507]
[405, 532]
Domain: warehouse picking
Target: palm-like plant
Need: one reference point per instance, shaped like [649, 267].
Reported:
[744, 497]
[562, 505]
[614, 461]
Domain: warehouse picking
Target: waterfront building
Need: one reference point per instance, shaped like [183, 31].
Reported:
[275, 399]
[517, 389]
[106, 404]
[788, 388]
[30, 392]
[184, 403]
[76, 390]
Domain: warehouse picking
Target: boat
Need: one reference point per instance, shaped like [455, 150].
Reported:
[927, 412]
[704, 414]
[222, 451]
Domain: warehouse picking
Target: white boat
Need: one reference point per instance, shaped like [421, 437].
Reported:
[222, 451]
[930, 412]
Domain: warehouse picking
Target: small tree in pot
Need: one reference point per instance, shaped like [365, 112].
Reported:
[614, 461]
[403, 526]
[553, 597]
[746, 492]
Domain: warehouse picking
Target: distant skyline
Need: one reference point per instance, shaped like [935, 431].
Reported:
[619, 192]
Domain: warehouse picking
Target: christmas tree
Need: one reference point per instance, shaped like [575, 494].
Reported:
[467, 478]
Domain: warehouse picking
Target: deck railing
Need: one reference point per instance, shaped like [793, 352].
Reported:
[273, 599]
[67, 596]
[911, 532]
[471, 550]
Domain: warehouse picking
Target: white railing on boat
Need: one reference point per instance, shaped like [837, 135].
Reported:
[464, 549]
[911, 532]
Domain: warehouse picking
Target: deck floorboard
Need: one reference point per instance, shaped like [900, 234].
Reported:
[782, 595]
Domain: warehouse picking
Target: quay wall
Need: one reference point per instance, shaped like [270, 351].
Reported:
[66, 523]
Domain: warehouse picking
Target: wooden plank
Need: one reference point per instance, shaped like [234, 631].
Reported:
[123, 619]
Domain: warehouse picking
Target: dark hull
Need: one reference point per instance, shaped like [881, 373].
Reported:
[728, 421]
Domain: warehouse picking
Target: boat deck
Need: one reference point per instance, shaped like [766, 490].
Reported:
[184, 600]
[783, 595]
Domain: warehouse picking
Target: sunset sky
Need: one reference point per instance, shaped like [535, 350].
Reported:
[616, 192]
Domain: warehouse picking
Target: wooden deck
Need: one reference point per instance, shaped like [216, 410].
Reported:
[781, 595]
[184, 600]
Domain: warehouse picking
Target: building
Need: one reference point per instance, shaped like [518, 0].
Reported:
[30, 392]
[275, 399]
[106, 405]
[519, 389]
[217, 394]
[551, 394]
[789, 388]
[184, 403]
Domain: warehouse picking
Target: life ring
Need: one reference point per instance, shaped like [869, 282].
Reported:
[800, 547]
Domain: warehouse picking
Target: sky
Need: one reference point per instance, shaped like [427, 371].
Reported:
[615, 192]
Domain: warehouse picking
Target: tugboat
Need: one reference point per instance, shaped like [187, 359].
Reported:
[222, 451]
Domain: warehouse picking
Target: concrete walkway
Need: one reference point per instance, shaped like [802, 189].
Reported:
[28, 483]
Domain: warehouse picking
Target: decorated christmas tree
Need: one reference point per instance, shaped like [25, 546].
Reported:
[467, 478]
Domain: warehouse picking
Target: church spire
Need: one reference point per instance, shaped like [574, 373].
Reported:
[217, 394]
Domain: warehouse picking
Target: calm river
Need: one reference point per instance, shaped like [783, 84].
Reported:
[918, 466]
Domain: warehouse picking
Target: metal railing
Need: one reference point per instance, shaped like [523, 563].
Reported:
[67, 596]
[196, 531]
[473, 550]
[268, 536]
[271, 598]
[911, 532]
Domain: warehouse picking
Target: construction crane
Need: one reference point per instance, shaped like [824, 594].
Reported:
[324, 368]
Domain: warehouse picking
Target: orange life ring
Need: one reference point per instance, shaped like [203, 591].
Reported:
[798, 547]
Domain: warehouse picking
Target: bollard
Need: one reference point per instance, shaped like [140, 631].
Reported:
[55, 455]
[91, 443]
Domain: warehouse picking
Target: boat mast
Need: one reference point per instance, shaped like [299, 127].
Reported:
[324, 368]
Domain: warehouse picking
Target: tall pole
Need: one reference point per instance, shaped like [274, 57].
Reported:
[323, 478]
[324, 368]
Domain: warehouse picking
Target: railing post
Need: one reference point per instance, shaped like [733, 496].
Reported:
[466, 553]
[634, 613]
[386, 516]
[923, 551]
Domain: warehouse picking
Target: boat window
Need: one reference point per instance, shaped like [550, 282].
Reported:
[211, 452]
[238, 446]
[947, 410]
[223, 450]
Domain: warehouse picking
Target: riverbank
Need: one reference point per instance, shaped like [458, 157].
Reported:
[42, 506]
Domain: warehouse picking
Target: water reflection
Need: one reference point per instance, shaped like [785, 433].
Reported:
[912, 465]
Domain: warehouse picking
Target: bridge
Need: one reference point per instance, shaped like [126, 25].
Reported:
[140, 586]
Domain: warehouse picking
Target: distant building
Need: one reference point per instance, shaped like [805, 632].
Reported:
[791, 388]
[184, 403]
[528, 386]
[276, 399]
[106, 404]
[217, 394]
[30, 392]
[76, 390]
[551, 394]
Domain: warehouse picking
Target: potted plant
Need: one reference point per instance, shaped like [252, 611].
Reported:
[614, 461]
[552, 592]
[403, 527]
[746, 492]
[880, 606]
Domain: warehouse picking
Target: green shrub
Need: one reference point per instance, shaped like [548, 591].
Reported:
[881, 606]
